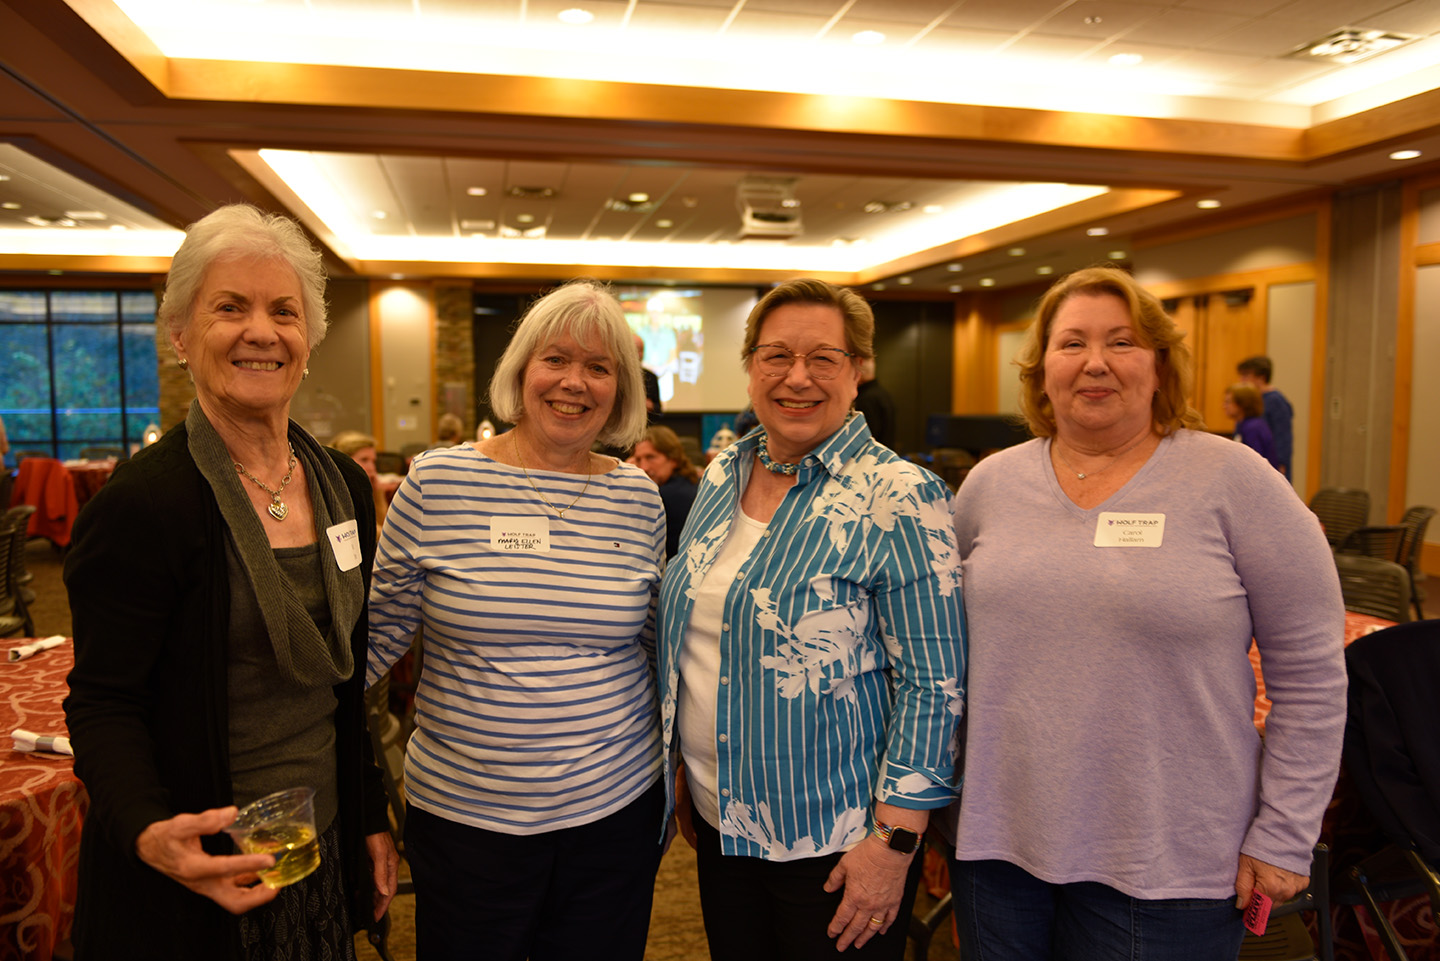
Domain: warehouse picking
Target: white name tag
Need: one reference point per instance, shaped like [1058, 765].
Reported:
[345, 543]
[520, 535]
[1129, 530]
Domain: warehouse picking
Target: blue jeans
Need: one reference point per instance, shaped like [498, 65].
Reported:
[1004, 913]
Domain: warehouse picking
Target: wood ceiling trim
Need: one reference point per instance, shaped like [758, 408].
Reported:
[85, 263]
[387, 89]
[1410, 117]
[121, 33]
[1109, 204]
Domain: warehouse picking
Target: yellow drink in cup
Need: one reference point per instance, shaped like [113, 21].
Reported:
[281, 824]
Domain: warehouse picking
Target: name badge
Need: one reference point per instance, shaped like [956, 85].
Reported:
[520, 535]
[1129, 530]
[345, 544]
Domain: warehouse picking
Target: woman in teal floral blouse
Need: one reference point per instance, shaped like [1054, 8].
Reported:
[812, 646]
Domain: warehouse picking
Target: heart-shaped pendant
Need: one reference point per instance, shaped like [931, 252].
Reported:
[278, 510]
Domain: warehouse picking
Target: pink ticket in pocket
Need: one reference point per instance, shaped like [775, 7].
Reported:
[1257, 915]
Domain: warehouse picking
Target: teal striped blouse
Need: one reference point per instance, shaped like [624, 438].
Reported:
[842, 652]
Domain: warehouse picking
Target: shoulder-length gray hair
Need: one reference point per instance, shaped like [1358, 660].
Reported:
[584, 309]
[243, 231]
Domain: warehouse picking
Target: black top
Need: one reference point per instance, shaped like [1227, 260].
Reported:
[148, 711]
[677, 494]
[875, 402]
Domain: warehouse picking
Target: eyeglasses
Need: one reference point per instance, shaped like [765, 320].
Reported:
[823, 363]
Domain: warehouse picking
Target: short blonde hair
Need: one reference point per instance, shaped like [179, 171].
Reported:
[348, 442]
[584, 309]
[1247, 398]
[1170, 409]
[855, 313]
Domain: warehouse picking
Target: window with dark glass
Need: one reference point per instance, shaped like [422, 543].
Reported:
[79, 369]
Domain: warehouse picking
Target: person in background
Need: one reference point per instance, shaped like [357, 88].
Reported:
[4, 447]
[812, 649]
[361, 448]
[652, 382]
[1257, 372]
[875, 402]
[1242, 405]
[661, 455]
[1118, 799]
[449, 430]
[217, 586]
[535, 811]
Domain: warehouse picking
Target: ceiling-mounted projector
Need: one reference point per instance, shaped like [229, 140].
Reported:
[769, 209]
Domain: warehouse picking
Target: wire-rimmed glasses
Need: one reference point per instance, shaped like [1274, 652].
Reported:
[823, 363]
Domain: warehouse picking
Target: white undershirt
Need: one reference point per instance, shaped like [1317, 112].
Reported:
[700, 677]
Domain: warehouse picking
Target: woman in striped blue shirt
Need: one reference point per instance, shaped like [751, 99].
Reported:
[535, 809]
[812, 645]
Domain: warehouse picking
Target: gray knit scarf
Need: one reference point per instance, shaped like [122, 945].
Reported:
[303, 655]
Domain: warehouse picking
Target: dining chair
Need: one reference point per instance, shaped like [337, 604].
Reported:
[17, 520]
[1341, 510]
[102, 453]
[1393, 759]
[389, 462]
[1376, 587]
[1400, 543]
[12, 623]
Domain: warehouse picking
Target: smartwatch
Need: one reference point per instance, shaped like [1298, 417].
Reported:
[903, 840]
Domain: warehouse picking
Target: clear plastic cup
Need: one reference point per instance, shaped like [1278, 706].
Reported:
[281, 824]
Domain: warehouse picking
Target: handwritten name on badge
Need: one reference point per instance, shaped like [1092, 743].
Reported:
[520, 535]
[1129, 530]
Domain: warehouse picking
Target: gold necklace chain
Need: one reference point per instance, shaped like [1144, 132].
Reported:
[516, 444]
[277, 507]
[1081, 475]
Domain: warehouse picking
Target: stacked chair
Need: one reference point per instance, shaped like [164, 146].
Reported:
[1400, 543]
[1341, 510]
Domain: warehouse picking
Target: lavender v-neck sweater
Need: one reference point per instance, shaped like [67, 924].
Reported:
[1110, 722]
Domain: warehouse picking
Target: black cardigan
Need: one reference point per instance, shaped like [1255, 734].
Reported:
[148, 712]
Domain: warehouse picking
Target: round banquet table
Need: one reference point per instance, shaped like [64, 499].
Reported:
[42, 805]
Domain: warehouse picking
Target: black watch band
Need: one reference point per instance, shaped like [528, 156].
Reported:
[903, 840]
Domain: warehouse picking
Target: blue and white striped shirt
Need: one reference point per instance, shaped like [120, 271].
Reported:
[536, 708]
[842, 647]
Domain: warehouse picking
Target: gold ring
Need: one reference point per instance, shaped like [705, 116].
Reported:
[877, 921]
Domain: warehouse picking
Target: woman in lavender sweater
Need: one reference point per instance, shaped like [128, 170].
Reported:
[1118, 801]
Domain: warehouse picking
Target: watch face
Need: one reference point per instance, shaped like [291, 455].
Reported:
[904, 839]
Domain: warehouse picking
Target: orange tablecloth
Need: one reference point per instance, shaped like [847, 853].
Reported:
[1356, 625]
[42, 805]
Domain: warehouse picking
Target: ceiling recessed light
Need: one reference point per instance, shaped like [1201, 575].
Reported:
[10, 205]
[55, 273]
[877, 286]
[1126, 60]
[868, 38]
[397, 276]
[524, 218]
[1116, 255]
[953, 268]
[690, 202]
[790, 202]
[1405, 155]
[4, 177]
[987, 281]
[1044, 271]
[664, 224]
[476, 191]
[378, 214]
[84, 215]
[477, 225]
[956, 288]
[1097, 231]
[638, 198]
[575, 15]
[933, 209]
[1207, 204]
[1016, 251]
[906, 281]
[118, 227]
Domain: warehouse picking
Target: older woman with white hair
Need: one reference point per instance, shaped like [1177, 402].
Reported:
[535, 808]
[217, 585]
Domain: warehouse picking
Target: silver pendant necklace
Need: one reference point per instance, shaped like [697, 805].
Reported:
[1081, 475]
[561, 513]
[277, 507]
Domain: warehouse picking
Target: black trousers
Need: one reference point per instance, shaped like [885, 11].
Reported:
[581, 892]
[758, 910]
